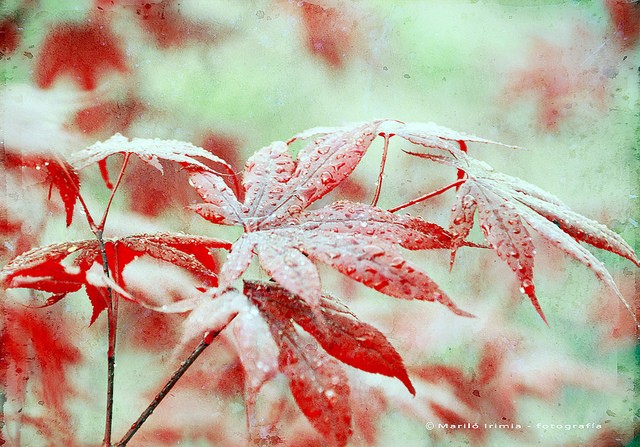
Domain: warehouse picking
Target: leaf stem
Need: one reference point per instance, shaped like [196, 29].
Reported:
[113, 191]
[209, 337]
[383, 161]
[427, 196]
[112, 326]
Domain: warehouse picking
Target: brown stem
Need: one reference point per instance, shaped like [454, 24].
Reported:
[206, 341]
[385, 149]
[113, 191]
[112, 326]
[427, 196]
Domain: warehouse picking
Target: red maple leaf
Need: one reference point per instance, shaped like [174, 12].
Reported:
[150, 151]
[56, 173]
[329, 32]
[505, 204]
[110, 116]
[358, 240]
[84, 51]
[560, 77]
[625, 17]
[317, 381]
[9, 37]
[42, 268]
[33, 350]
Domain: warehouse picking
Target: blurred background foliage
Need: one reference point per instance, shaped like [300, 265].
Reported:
[559, 78]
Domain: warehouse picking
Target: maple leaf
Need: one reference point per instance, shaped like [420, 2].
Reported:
[84, 50]
[149, 151]
[625, 17]
[9, 37]
[329, 33]
[505, 204]
[33, 349]
[318, 383]
[57, 173]
[561, 76]
[42, 268]
[357, 240]
[108, 116]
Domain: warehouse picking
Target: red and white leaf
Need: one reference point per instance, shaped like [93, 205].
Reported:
[290, 268]
[432, 135]
[237, 262]
[266, 174]
[42, 268]
[379, 266]
[335, 327]
[319, 385]
[504, 202]
[356, 239]
[412, 233]
[221, 205]
[212, 315]
[326, 162]
[148, 150]
[256, 348]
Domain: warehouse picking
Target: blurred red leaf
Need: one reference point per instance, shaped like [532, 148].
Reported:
[84, 51]
[42, 268]
[329, 32]
[108, 117]
[625, 18]
[9, 37]
[56, 173]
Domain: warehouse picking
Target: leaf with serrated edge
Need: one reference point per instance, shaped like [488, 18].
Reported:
[377, 265]
[412, 233]
[580, 227]
[336, 328]
[258, 354]
[504, 201]
[211, 315]
[237, 262]
[319, 385]
[42, 268]
[149, 151]
[265, 177]
[221, 205]
[290, 268]
[432, 135]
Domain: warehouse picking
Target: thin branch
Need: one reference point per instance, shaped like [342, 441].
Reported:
[112, 326]
[112, 312]
[427, 196]
[113, 191]
[376, 196]
[184, 366]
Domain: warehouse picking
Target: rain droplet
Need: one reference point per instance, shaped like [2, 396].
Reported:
[326, 178]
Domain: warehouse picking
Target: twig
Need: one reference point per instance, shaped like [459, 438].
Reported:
[376, 196]
[427, 196]
[113, 191]
[206, 341]
[112, 313]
